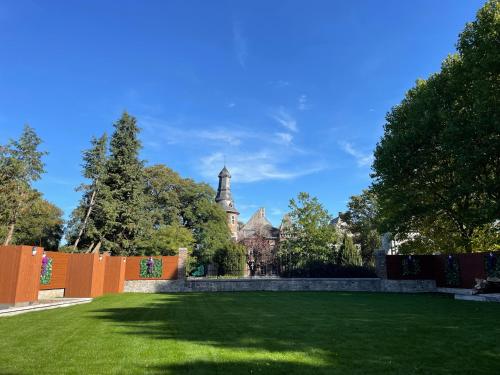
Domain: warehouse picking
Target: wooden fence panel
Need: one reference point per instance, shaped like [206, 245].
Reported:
[85, 276]
[471, 267]
[169, 271]
[114, 274]
[19, 274]
[59, 270]
[424, 264]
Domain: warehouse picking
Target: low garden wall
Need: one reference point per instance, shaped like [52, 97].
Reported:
[280, 284]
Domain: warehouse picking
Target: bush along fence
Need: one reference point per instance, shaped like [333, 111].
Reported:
[453, 270]
[28, 273]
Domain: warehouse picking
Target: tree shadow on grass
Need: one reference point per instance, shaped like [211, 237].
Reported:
[240, 367]
[301, 332]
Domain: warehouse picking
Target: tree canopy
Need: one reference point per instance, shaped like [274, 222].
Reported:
[310, 237]
[438, 162]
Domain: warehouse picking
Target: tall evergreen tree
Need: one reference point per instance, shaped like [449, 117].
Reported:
[94, 169]
[20, 165]
[348, 254]
[126, 216]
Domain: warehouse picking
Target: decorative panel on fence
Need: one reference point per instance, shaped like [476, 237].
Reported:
[59, 268]
[85, 277]
[472, 266]
[415, 267]
[168, 268]
[455, 270]
[114, 274]
[19, 273]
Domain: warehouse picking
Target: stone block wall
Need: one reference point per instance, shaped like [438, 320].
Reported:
[276, 285]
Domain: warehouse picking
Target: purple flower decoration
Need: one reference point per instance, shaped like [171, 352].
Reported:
[46, 271]
[150, 263]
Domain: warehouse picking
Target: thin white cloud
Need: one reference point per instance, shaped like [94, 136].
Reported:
[362, 159]
[285, 119]
[251, 167]
[239, 45]
[251, 155]
[303, 103]
[284, 138]
[231, 105]
[177, 132]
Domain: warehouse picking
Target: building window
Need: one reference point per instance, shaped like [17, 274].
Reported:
[232, 219]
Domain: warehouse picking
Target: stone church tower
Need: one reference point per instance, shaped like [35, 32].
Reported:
[225, 200]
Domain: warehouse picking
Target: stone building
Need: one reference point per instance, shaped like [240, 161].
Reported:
[258, 235]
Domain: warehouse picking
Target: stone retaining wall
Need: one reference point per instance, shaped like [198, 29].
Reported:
[51, 293]
[280, 284]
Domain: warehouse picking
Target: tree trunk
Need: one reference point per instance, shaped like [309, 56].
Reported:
[10, 234]
[91, 204]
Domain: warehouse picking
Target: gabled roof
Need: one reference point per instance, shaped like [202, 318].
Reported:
[259, 225]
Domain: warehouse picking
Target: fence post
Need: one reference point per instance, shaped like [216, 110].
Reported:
[380, 264]
[20, 268]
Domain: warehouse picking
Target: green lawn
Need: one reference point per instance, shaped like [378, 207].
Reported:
[256, 333]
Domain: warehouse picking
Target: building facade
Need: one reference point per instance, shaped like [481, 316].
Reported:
[258, 235]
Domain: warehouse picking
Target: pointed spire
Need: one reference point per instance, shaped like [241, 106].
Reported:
[224, 173]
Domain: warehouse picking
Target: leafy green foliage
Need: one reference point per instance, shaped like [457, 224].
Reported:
[172, 199]
[438, 159]
[132, 209]
[410, 266]
[20, 165]
[46, 273]
[40, 225]
[487, 238]
[310, 236]
[87, 224]
[126, 219]
[230, 259]
[151, 268]
[166, 240]
[362, 217]
[348, 254]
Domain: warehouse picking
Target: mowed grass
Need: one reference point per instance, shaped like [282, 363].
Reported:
[256, 333]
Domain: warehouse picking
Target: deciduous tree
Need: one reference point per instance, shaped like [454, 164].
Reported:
[20, 165]
[438, 160]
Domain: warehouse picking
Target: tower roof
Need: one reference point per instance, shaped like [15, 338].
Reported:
[224, 173]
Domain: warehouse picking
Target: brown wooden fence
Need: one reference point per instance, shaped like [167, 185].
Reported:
[169, 263]
[19, 273]
[23, 275]
[59, 270]
[85, 275]
[455, 270]
[114, 275]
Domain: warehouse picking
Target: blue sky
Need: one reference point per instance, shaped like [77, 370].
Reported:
[292, 93]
